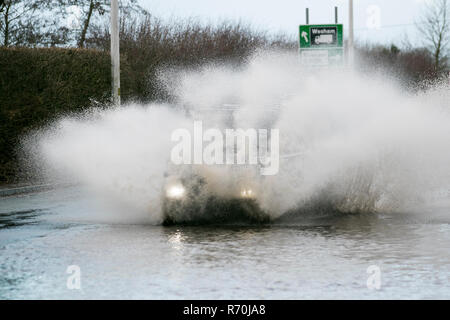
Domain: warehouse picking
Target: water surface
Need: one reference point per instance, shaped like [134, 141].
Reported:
[327, 257]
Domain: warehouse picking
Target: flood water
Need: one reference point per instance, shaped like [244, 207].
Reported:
[328, 257]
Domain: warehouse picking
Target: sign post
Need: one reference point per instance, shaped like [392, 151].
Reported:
[115, 56]
[350, 33]
[322, 45]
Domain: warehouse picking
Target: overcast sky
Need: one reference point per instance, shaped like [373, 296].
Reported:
[381, 21]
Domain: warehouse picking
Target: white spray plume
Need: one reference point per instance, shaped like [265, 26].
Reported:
[361, 142]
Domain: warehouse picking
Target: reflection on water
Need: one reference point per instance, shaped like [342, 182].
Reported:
[18, 218]
[311, 258]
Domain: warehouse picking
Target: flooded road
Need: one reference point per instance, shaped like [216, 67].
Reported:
[42, 234]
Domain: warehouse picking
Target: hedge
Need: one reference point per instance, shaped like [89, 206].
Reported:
[37, 85]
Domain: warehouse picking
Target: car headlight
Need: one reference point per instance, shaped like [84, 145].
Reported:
[175, 191]
[247, 193]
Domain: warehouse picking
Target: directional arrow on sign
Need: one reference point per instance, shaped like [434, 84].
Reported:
[305, 36]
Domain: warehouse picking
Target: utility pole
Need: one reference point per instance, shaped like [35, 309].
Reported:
[350, 34]
[115, 56]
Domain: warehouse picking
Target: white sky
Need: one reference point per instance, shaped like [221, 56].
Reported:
[396, 17]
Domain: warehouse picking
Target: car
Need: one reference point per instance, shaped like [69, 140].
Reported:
[188, 199]
[195, 194]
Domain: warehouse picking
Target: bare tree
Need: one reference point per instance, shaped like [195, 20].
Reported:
[28, 23]
[93, 10]
[90, 7]
[12, 14]
[42, 22]
[434, 27]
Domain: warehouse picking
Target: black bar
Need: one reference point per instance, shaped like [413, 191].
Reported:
[223, 309]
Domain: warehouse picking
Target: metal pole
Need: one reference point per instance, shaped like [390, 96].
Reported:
[336, 15]
[115, 56]
[350, 35]
[307, 15]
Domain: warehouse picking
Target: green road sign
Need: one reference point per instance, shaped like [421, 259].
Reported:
[321, 35]
[321, 45]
